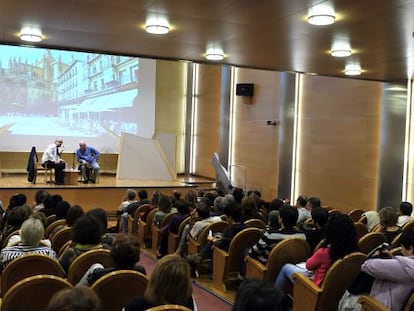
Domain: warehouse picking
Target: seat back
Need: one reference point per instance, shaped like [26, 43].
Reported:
[239, 245]
[194, 246]
[144, 229]
[292, 250]
[169, 308]
[26, 266]
[60, 238]
[338, 278]
[33, 293]
[355, 214]
[7, 238]
[139, 212]
[369, 241]
[51, 227]
[156, 230]
[174, 239]
[361, 229]
[255, 223]
[82, 263]
[117, 288]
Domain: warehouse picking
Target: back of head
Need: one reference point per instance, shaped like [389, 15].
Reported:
[276, 204]
[219, 203]
[55, 199]
[125, 251]
[143, 195]
[17, 199]
[259, 295]
[273, 219]
[301, 201]
[32, 231]
[289, 216]
[340, 235]
[131, 194]
[314, 202]
[320, 216]
[40, 196]
[388, 216]
[164, 203]
[87, 230]
[406, 208]
[203, 210]
[238, 194]
[182, 207]
[100, 213]
[79, 298]
[62, 209]
[249, 207]
[233, 211]
[407, 238]
[73, 214]
[170, 282]
[18, 215]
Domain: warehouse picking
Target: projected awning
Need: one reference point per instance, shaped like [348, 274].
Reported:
[109, 102]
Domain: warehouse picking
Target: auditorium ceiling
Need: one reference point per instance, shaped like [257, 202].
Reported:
[267, 34]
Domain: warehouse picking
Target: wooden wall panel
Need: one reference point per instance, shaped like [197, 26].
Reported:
[339, 141]
[255, 142]
[170, 99]
[207, 131]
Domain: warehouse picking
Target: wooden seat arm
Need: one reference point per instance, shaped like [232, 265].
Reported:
[255, 269]
[369, 303]
[305, 293]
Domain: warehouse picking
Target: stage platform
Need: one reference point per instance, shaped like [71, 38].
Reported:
[107, 193]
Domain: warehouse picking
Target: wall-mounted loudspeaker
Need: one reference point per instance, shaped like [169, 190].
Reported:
[244, 89]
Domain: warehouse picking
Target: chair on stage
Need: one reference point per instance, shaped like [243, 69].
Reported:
[117, 288]
[82, 263]
[33, 293]
[26, 266]
[34, 167]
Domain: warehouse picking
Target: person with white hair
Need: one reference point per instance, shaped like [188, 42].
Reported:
[31, 234]
[51, 159]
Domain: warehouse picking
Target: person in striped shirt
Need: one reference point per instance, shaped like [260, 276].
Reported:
[31, 233]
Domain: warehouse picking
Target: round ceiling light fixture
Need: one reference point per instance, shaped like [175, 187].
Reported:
[157, 25]
[352, 70]
[341, 52]
[31, 35]
[215, 54]
[321, 19]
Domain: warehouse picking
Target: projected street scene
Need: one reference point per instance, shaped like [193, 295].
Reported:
[50, 92]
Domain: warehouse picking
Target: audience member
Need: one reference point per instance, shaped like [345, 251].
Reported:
[393, 277]
[74, 212]
[288, 216]
[164, 208]
[173, 226]
[315, 230]
[129, 198]
[170, 283]
[40, 197]
[238, 195]
[248, 208]
[16, 218]
[371, 219]
[31, 232]
[340, 240]
[100, 213]
[131, 208]
[62, 209]
[15, 200]
[260, 295]
[388, 223]
[404, 213]
[125, 253]
[79, 298]
[50, 203]
[304, 212]
[218, 206]
[86, 235]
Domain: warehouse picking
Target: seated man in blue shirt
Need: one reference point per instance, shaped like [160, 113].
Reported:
[87, 157]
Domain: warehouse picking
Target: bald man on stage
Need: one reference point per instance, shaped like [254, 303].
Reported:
[88, 157]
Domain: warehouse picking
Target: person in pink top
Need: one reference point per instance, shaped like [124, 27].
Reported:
[340, 240]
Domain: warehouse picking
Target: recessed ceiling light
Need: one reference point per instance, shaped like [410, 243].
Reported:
[214, 54]
[157, 29]
[341, 53]
[353, 70]
[31, 35]
[321, 19]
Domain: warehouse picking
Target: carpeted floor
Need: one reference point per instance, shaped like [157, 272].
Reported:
[205, 299]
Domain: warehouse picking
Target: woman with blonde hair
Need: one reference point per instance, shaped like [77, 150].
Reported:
[170, 283]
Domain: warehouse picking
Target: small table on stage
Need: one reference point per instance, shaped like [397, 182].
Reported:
[71, 176]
